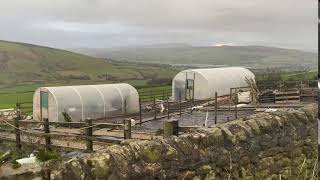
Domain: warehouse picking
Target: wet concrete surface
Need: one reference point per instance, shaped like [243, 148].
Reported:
[197, 118]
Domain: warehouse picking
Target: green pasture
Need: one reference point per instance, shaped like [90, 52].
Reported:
[9, 96]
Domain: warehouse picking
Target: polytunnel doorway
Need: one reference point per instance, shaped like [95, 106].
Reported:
[44, 104]
[189, 89]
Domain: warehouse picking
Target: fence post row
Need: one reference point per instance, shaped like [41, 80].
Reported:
[89, 131]
[17, 134]
[215, 108]
[127, 129]
[46, 129]
[170, 127]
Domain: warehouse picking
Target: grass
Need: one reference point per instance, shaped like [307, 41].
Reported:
[9, 96]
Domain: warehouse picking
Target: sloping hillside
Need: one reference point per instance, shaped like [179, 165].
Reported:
[21, 62]
[250, 56]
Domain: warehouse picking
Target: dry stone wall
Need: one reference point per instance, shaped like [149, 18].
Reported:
[262, 146]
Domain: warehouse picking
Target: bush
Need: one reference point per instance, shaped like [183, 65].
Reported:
[46, 155]
[15, 164]
[66, 117]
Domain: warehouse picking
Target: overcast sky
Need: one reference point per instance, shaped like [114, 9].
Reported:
[111, 23]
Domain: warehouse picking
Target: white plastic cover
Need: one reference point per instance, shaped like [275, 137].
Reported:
[87, 101]
[244, 97]
[210, 80]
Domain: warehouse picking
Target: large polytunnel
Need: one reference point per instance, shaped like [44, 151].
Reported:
[86, 101]
[203, 83]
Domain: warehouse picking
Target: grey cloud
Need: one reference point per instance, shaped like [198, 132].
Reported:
[106, 23]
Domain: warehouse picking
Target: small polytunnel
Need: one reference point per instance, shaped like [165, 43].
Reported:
[203, 83]
[86, 101]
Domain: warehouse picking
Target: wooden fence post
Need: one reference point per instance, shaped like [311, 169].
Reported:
[215, 108]
[18, 108]
[140, 111]
[17, 133]
[280, 86]
[168, 106]
[180, 113]
[230, 100]
[170, 127]
[154, 108]
[127, 129]
[235, 105]
[46, 128]
[124, 111]
[312, 94]
[89, 142]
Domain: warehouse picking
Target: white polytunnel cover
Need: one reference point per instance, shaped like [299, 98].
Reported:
[86, 101]
[203, 83]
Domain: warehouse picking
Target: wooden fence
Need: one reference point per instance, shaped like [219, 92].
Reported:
[170, 127]
[154, 93]
[17, 124]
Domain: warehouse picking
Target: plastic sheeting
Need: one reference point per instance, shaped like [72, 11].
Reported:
[87, 101]
[208, 81]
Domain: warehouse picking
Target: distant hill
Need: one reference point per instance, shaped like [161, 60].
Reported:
[20, 62]
[249, 56]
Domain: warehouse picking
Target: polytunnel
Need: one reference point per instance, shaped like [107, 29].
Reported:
[86, 101]
[202, 84]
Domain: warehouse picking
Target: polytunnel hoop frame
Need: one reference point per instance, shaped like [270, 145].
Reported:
[78, 93]
[122, 99]
[104, 101]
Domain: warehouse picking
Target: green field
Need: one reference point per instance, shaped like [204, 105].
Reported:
[9, 96]
[287, 76]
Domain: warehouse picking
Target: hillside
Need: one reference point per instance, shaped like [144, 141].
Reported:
[20, 62]
[249, 56]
